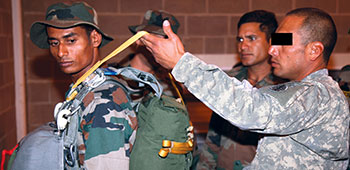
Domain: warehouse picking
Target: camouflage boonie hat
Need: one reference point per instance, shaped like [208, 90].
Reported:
[63, 15]
[153, 22]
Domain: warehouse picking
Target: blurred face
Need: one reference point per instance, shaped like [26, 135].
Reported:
[252, 44]
[72, 49]
[289, 61]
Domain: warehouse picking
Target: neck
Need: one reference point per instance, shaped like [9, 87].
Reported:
[312, 68]
[258, 72]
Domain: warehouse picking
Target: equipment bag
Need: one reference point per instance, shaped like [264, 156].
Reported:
[164, 137]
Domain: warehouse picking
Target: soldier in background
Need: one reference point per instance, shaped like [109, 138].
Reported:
[142, 59]
[225, 143]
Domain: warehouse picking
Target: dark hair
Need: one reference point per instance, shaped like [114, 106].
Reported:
[267, 19]
[317, 26]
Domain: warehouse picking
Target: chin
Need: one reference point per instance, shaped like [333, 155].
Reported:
[67, 71]
[246, 63]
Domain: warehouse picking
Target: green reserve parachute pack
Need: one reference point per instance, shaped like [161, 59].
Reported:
[164, 137]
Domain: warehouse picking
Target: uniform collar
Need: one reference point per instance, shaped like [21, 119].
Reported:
[317, 74]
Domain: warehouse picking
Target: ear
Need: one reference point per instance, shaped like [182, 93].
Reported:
[96, 38]
[314, 50]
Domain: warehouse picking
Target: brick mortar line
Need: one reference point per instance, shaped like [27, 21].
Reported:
[5, 11]
[3, 111]
[8, 60]
[7, 85]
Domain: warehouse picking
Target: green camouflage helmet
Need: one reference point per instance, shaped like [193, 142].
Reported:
[153, 21]
[63, 15]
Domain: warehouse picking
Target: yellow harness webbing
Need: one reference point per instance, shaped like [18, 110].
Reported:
[346, 93]
[177, 147]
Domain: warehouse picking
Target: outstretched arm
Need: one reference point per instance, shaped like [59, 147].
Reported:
[167, 52]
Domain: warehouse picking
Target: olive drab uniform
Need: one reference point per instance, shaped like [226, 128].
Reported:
[306, 123]
[107, 128]
[226, 143]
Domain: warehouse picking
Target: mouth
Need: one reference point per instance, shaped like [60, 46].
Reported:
[245, 55]
[274, 63]
[65, 63]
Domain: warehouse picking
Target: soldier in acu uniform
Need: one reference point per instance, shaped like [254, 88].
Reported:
[305, 122]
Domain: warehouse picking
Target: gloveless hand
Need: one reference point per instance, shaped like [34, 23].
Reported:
[167, 52]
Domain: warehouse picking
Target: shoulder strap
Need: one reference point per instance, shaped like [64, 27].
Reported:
[67, 119]
[128, 91]
[137, 75]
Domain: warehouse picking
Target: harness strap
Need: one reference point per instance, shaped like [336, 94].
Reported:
[137, 75]
[175, 147]
[70, 111]
[346, 93]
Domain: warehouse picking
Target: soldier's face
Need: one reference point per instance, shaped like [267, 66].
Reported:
[72, 49]
[252, 44]
[289, 61]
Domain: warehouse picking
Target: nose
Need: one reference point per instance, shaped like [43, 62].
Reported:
[62, 50]
[242, 46]
[273, 51]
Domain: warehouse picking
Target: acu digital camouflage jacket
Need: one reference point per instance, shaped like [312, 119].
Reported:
[306, 123]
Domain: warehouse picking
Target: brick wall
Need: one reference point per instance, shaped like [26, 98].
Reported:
[7, 99]
[207, 27]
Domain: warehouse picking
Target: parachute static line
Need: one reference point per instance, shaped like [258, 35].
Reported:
[100, 62]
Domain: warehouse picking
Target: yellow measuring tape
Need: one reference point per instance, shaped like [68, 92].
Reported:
[126, 44]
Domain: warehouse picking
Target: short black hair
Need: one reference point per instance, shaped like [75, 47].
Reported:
[267, 19]
[319, 26]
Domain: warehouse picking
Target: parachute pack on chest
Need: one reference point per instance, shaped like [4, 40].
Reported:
[54, 145]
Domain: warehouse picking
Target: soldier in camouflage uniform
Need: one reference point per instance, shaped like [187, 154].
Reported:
[107, 121]
[141, 58]
[226, 143]
[305, 122]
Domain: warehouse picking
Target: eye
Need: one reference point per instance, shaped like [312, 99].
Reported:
[239, 39]
[53, 43]
[252, 38]
[71, 41]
